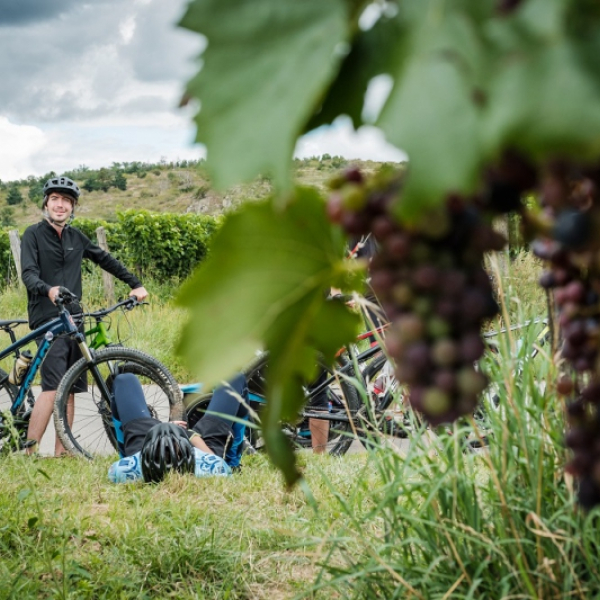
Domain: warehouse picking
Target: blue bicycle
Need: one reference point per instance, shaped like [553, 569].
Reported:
[83, 421]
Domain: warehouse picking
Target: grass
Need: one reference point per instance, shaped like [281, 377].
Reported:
[66, 532]
[428, 520]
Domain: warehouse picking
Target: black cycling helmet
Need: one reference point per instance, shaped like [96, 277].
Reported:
[62, 185]
[166, 448]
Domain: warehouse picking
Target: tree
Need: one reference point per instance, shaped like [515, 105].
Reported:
[90, 184]
[474, 85]
[35, 193]
[7, 216]
[120, 182]
[14, 196]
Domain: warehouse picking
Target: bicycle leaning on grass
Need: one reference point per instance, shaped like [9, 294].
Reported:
[340, 397]
[364, 400]
[85, 427]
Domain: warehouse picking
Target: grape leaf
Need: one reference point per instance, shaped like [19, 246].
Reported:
[375, 51]
[536, 101]
[264, 285]
[432, 113]
[263, 73]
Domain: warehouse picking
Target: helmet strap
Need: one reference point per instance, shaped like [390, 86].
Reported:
[53, 222]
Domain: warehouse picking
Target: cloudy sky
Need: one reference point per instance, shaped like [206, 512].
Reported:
[99, 81]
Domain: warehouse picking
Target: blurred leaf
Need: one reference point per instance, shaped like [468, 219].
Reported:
[264, 285]
[308, 329]
[374, 52]
[31, 522]
[537, 100]
[432, 112]
[264, 70]
[43, 473]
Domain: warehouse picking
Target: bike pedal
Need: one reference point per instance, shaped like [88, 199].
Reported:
[25, 444]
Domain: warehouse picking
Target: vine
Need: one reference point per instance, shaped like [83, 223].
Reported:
[491, 99]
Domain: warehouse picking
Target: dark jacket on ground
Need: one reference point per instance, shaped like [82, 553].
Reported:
[48, 260]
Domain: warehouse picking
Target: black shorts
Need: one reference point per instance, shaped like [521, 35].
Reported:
[134, 432]
[64, 352]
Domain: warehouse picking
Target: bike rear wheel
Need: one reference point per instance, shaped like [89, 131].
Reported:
[11, 424]
[91, 431]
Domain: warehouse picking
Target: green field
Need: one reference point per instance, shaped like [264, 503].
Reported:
[426, 520]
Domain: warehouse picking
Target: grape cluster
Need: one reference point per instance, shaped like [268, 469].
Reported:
[430, 281]
[571, 210]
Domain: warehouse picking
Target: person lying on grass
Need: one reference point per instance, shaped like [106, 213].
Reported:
[150, 449]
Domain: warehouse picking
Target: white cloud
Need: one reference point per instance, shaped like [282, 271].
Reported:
[107, 88]
[96, 146]
[340, 139]
[19, 143]
[127, 29]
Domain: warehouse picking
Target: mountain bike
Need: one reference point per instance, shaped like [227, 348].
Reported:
[363, 399]
[90, 429]
[334, 397]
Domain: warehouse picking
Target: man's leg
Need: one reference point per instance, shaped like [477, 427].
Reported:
[40, 417]
[319, 428]
[221, 433]
[319, 434]
[225, 400]
[128, 400]
[233, 457]
[55, 365]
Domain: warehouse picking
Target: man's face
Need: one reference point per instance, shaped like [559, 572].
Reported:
[60, 207]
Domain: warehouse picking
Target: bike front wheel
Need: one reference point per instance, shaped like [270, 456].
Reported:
[86, 426]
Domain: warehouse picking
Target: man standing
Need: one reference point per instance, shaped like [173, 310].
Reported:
[51, 256]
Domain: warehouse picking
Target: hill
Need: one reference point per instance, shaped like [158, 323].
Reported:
[177, 187]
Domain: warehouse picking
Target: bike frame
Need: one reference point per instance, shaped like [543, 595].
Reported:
[64, 324]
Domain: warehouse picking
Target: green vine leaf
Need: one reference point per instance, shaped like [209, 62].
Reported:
[264, 285]
[432, 112]
[263, 72]
[376, 51]
[537, 100]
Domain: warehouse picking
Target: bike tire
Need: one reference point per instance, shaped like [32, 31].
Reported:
[91, 431]
[377, 419]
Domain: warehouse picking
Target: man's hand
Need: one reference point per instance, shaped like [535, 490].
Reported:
[140, 293]
[53, 292]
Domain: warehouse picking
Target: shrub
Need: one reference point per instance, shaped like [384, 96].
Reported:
[14, 196]
[166, 245]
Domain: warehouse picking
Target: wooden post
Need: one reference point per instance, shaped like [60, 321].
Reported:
[109, 284]
[15, 247]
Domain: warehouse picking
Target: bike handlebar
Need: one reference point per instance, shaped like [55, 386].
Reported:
[65, 296]
[128, 303]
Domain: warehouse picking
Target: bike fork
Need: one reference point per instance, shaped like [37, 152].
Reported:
[104, 405]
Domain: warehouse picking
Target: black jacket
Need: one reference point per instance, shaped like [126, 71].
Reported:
[48, 260]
